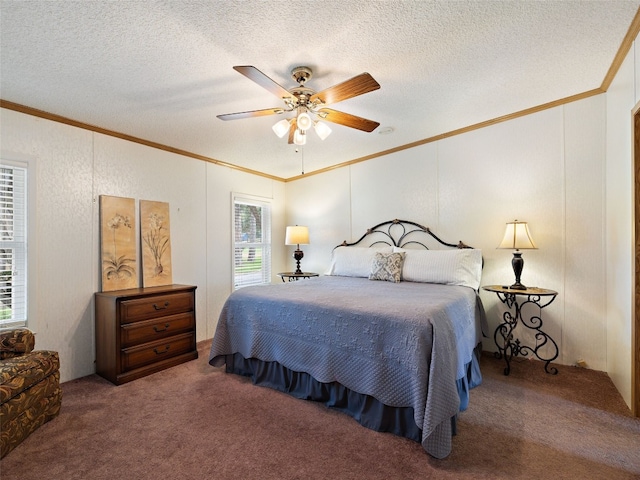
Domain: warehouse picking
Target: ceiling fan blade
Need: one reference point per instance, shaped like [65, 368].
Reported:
[363, 83]
[252, 73]
[348, 120]
[292, 130]
[250, 114]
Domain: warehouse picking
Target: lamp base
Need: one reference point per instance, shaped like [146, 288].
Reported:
[298, 255]
[518, 264]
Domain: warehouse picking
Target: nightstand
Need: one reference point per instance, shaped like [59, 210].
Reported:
[516, 300]
[295, 276]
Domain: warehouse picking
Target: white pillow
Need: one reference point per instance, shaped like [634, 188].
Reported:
[354, 261]
[460, 266]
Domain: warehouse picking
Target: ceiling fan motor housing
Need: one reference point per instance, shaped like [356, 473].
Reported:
[302, 94]
[301, 74]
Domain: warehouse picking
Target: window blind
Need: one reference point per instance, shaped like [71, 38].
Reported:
[252, 242]
[13, 246]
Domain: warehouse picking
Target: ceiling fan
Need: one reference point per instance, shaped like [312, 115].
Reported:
[309, 106]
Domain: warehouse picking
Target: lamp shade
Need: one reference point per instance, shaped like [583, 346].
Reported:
[281, 128]
[322, 129]
[304, 121]
[297, 235]
[299, 137]
[517, 236]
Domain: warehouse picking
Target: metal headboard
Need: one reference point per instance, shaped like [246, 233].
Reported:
[395, 233]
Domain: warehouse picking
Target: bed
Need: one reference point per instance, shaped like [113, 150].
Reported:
[390, 335]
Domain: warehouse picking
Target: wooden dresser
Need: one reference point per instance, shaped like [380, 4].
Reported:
[140, 331]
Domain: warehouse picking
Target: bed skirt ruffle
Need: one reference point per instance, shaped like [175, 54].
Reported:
[365, 409]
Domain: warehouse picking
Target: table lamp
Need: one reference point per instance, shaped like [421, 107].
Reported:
[297, 235]
[517, 237]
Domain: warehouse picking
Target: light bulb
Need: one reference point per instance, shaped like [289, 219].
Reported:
[304, 121]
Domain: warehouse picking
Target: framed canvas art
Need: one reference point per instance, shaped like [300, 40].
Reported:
[156, 243]
[118, 243]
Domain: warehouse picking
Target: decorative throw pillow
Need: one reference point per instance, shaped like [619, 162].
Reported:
[387, 267]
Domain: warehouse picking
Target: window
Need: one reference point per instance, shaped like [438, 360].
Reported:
[251, 241]
[13, 245]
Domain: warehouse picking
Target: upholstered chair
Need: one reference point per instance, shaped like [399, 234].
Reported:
[30, 393]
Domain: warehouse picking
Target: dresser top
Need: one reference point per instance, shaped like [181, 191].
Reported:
[131, 292]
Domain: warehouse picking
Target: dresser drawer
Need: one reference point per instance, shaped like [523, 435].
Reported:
[139, 356]
[152, 307]
[156, 328]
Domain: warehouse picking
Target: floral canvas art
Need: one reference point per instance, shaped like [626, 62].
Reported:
[118, 243]
[156, 243]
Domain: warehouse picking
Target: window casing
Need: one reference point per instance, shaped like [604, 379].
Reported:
[251, 241]
[13, 244]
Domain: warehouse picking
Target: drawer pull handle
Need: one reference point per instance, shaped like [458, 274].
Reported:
[155, 305]
[166, 349]
[158, 330]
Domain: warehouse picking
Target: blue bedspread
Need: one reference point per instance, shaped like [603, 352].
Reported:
[405, 343]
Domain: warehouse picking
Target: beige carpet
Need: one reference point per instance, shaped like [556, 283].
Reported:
[196, 422]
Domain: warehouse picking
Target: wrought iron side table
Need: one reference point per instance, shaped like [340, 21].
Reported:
[503, 336]
[295, 276]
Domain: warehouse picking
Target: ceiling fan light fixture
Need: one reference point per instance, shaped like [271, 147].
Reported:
[281, 128]
[307, 105]
[322, 129]
[304, 121]
[299, 137]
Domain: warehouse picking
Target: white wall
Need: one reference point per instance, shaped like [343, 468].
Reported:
[221, 182]
[544, 168]
[73, 167]
[62, 313]
[621, 99]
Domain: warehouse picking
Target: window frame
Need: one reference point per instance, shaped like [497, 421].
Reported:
[27, 305]
[265, 243]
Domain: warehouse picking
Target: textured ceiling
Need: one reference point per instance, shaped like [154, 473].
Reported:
[162, 70]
